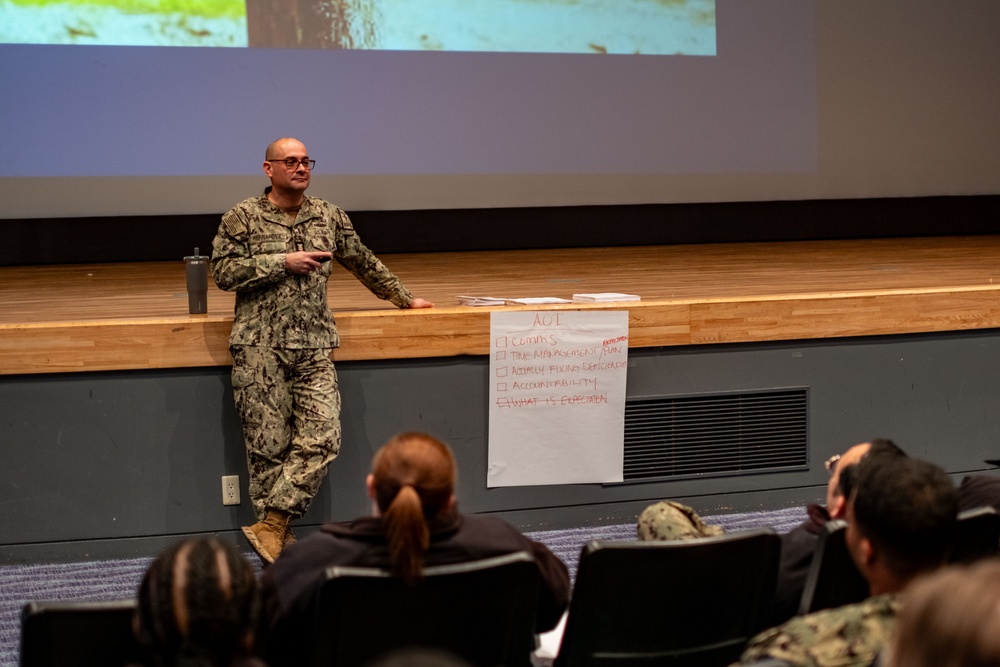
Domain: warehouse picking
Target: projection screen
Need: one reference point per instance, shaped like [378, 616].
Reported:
[149, 107]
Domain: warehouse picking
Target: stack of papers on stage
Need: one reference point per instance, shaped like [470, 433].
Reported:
[604, 296]
[480, 300]
[537, 300]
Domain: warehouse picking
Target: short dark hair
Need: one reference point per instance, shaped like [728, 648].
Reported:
[884, 447]
[906, 507]
[877, 447]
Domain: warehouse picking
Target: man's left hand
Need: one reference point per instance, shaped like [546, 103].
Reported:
[420, 303]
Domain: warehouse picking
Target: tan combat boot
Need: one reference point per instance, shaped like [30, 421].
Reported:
[268, 537]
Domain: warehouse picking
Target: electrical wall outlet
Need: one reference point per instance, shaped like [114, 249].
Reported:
[230, 489]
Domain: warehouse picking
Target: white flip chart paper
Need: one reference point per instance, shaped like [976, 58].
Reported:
[557, 397]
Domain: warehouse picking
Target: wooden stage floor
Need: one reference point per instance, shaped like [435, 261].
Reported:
[72, 318]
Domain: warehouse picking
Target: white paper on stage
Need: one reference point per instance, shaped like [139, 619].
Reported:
[557, 397]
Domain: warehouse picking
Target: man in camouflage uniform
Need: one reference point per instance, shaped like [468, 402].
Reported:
[273, 250]
[901, 519]
[799, 544]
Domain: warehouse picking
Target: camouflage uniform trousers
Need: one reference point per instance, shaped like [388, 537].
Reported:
[289, 403]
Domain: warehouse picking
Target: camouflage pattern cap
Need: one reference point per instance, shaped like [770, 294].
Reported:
[669, 520]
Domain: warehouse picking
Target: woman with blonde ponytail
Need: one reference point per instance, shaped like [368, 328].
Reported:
[415, 523]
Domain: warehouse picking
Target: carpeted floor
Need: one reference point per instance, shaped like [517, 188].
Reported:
[119, 579]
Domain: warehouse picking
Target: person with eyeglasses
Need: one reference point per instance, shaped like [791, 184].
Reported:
[799, 544]
[274, 251]
[668, 520]
[901, 516]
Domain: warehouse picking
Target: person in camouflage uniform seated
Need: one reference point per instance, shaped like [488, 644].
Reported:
[670, 520]
[274, 251]
[901, 519]
[799, 544]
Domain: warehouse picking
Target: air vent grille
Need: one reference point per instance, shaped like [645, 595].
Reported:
[716, 435]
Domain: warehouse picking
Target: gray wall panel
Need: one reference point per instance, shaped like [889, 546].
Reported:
[105, 457]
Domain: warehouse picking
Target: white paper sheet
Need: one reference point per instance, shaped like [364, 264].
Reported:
[604, 297]
[557, 397]
[537, 300]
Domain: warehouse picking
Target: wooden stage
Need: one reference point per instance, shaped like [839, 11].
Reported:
[72, 318]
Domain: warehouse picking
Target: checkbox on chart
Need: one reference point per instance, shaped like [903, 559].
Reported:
[502, 372]
[502, 354]
[501, 386]
[501, 342]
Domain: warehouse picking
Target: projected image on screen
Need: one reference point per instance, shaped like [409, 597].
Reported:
[534, 26]
[139, 130]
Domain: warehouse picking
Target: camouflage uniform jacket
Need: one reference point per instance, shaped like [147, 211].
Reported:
[847, 636]
[275, 308]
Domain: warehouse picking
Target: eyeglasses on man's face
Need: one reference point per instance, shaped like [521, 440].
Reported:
[831, 463]
[293, 163]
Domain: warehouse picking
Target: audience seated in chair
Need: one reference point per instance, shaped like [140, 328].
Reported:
[799, 545]
[670, 520]
[482, 611]
[197, 605]
[687, 602]
[951, 619]
[415, 523]
[666, 520]
[901, 519]
[833, 579]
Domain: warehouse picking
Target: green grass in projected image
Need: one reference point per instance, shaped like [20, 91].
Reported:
[540, 26]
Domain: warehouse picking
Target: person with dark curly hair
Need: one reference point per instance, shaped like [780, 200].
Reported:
[198, 607]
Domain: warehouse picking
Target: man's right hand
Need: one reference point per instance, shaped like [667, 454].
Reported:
[305, 261]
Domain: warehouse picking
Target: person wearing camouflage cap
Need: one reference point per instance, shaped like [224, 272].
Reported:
[670, 520]
[901, 519]
[274, 251]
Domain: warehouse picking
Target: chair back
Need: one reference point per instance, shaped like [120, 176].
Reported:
[688, 603]
[482, 611]
[833, 579]
[977, 535]
[79, 633]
